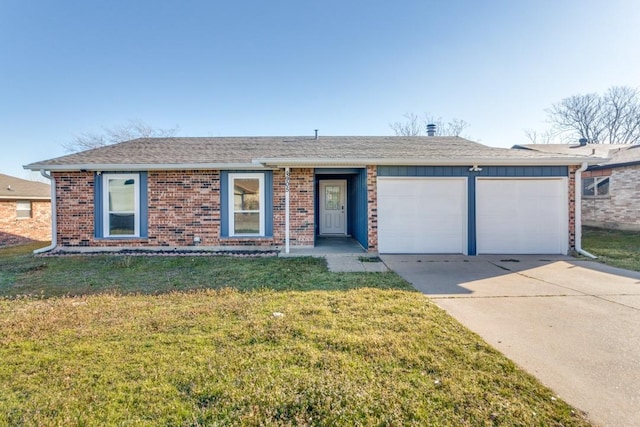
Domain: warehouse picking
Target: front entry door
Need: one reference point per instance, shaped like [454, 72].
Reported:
[333, 207]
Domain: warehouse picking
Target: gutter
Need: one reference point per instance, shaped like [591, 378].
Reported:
[54, 216]
[418, 161]
[578, 215]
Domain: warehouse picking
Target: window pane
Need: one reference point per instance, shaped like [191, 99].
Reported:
[588, 187]
[332, 197]
[23, 209]
[246, 223]
[122, 195]
[246, 194]
[603, 187]
[121, 224]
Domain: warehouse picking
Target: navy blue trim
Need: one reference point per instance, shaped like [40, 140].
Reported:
[144, 205]
[493, 171]
[98, 205]
[224, 203]
[471, 216]
[268, 202]
[337, 171]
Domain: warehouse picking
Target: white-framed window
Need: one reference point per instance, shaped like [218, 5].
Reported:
[23, 209]
[121, 205]
[595, 187]
[246, 204]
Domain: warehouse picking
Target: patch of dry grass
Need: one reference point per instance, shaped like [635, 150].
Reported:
[218, 357]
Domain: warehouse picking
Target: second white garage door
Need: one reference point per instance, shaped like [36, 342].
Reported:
[521, 216]
[422, 215]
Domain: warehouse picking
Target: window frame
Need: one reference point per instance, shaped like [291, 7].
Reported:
[105, 204]
[596, 182]
[231, 203]
[18, 210]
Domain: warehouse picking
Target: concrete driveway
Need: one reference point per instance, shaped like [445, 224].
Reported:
[575, 325]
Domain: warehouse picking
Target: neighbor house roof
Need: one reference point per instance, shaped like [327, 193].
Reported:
[16, 188]
[612, 155]
[266, 152]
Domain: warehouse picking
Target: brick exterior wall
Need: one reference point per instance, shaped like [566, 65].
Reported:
[619, 210]
[372, 207]
[181, 206]
[14, 230]
[572, 207]
[301, 207]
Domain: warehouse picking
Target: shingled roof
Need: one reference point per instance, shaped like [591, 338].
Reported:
[15, 188]
[260, 152]
[610, 155]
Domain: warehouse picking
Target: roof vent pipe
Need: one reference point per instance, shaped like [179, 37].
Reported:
[431, 129]
[582, 141]
[316, 130]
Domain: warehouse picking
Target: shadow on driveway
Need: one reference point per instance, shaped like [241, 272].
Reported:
[573, 324]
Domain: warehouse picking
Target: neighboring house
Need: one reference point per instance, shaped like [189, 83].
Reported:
[610, 188]
[391, 194]
[25, 211]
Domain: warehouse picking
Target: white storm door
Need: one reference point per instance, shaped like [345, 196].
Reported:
[333, 207]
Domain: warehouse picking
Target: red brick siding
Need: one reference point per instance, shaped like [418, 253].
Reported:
[372, 206]
[181, 206]
[15, 230]
[74, 208]
[572, 207]
[301, 207]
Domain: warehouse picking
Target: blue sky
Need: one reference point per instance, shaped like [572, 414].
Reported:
[236, 68]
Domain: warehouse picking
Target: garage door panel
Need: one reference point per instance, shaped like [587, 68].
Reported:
[422, 215]
[521, 216]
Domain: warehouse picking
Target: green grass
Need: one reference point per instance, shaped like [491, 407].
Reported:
[193, 341]
[614, 247]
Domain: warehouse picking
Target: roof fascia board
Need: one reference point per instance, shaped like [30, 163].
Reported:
[613, 165]
[144, 166]
[23, 197]
[281, 162]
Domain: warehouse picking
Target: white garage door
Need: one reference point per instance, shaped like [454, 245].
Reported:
[422, 215]
[521, 216]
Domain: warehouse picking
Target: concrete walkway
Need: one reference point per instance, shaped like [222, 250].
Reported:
[573, 324]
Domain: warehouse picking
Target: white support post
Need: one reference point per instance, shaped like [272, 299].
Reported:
[287, 187]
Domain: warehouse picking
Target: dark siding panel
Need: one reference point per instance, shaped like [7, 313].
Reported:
[144, 205]
[492, 171]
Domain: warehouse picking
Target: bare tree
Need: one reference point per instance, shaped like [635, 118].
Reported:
[132, 130]
[536, 137]
[613, 118]
[414, 126]
[410, 127]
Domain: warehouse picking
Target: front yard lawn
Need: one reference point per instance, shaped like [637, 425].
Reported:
[192, 341]
[618, 248]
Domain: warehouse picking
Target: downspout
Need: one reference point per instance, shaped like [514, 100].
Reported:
[54, 224]
[287, 186]
[578, 215]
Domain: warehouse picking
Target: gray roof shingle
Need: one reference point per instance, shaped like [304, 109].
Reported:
[609, 154]
[16, 188]
[200, 152]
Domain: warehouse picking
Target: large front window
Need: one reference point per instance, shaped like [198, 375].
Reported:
[121, 205]
[246, 202]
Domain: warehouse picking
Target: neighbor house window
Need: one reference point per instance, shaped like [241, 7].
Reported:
[596, 186]
[23, 209]
[246, 204]
[121, 205]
